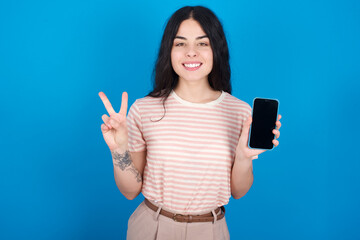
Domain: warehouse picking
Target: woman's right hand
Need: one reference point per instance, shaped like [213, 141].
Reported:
[114, 128]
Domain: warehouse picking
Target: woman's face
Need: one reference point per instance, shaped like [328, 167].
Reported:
[191, 54]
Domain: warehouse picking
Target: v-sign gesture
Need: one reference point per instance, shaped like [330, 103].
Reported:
[114, 128]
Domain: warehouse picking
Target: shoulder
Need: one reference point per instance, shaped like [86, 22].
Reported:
[146, 104]
[236, 103]
[147, 101]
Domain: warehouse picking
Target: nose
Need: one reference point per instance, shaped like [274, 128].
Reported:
[191, 52]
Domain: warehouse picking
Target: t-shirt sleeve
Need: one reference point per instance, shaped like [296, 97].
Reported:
[248, 111]
[245, 114]
[136, 141]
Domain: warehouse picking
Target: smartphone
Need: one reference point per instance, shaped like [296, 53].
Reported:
[264, 116]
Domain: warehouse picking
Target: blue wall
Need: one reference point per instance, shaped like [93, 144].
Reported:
[56, 175]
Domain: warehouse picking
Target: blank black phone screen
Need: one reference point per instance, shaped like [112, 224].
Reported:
[264, 118]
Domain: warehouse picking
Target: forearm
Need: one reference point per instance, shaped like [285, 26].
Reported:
[128, 179]
[241, 178]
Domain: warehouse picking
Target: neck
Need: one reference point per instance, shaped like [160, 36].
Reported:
[196, 92]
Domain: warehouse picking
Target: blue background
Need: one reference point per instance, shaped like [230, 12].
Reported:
[56, 173]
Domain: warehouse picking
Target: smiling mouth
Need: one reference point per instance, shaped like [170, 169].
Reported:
[192, 66]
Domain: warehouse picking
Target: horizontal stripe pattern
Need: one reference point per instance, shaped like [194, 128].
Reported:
[190, 151]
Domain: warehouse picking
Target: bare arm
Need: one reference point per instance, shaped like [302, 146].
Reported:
[128, 171]
[128, 167]
[241, 178]
[242, 171]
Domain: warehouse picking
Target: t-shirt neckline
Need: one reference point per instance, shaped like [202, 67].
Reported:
[211, 103]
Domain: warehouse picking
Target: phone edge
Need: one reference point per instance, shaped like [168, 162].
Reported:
[252, 110]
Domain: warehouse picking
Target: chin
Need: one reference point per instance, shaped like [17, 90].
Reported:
[193, 78]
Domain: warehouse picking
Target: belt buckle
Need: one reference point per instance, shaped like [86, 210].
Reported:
[176, 215]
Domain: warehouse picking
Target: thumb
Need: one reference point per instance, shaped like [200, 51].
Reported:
[245, 131]
[114, 123]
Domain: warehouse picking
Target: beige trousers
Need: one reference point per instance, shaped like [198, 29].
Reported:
[145, 224]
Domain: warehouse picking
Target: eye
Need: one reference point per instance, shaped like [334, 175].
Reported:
[203, 44]
[180, 44]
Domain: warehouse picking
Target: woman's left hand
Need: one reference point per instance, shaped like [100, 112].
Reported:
[243, 152]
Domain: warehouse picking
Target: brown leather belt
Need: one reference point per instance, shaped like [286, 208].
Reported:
[208, 217]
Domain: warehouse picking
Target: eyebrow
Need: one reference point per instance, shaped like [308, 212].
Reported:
[184, 38]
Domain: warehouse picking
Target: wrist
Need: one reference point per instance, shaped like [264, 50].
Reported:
[120, 148]
[244, 160]
[121, 158]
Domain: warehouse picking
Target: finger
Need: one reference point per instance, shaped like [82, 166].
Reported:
[114, 123]
[107, 103]
[276, 133]
[104, 128]
[106, 119]
[124, 103]
[244, 137]
[275, 142]
[278, 124]
[258, 151]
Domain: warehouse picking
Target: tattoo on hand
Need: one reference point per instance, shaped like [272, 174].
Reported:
[123, 161]
[136, 172]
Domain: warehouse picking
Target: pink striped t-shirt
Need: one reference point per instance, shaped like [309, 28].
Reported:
[190, 151]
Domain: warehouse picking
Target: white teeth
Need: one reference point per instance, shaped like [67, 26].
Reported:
[192, 65]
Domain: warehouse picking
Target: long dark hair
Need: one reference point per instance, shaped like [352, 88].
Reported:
[165, 78]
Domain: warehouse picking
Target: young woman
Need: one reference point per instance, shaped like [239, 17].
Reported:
[184, 145]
